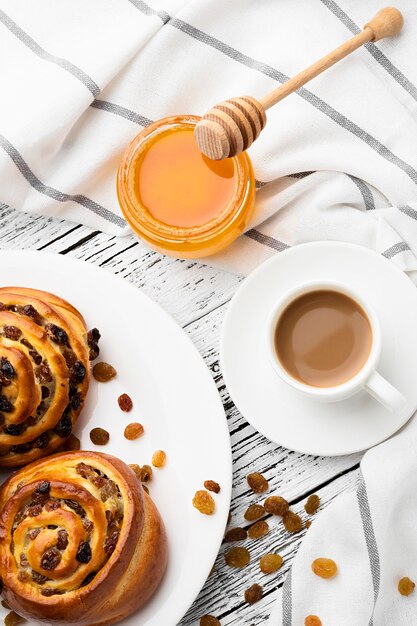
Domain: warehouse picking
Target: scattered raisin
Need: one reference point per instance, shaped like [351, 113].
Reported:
[13, 619]
[34, 511]
[253, 594]
[276, 505]
[44, 487]
[23, 560]
[211, 485]
[62, 542]
[75, 506]
[12, 332]
[93, 337]
[406, 586]
[32, 534]
[49, 591]
[99, 436]
[204, 502]
[258, 529]
[43, 373]
[325, 568]
[52, 505]
[237, 557]
[50, 559]
[84, 552]
[125, 402]
[77, 373]
[254, 512]
[292, 522]
[72, 443]
[64, 427]
[13, 429]
[57, 334]
[312, 504]
[133, 431]
[31, 312]
[312, 620]
[36, 357]
[235, 534]
[42, 441]
[110, 543]
[6, 368]
[146, 474]
[257, 482]
[87, 580]
[159, 459]
[88, 524]
[209, 620]
[103, 372]
[6, 407]
[135, 468]
[270, 563]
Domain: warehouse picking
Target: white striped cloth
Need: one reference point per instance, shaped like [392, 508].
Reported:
[371, 535]
[338, 160]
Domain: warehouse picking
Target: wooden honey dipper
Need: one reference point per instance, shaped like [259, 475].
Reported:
[232, 126]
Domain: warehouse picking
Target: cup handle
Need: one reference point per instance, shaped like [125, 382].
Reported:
[384, 392]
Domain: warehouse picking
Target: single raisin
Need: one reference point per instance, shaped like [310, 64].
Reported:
[204, 502]
[258, 529]
[125, 402]
[13, 619]
[50, 559]
[94, 352]
[276, 505]
[103, 372]
[87, 580]
[237, 557]
[49, 591]
[292, 522]
[209, 620]
[325, 568]
[6, 368]
[75, 506]
[312, 504]
[35, 356]
[211, 485]
[133, 431]
[110, 543]
[136, 469]
[93, 336]
[23, 560]
[62, 542]
[75, 401]
[88, 524]
[52, 505]
[406, 586]
[254, 512]
[159, 459]
[43, 373]
[44, 487]
[270, 563]
[253, 594]
[64, 427]
[34, 511]
[12, 332]
[77, 373]
[257, 482]
[99, 436]
[146, 473]
[6, 407]
[32, 534]
[235, 534]
[14, 429]
[42, 441]
[84, 552]
[31, 312]
[312, 620]
[57, 334]
[72, 443]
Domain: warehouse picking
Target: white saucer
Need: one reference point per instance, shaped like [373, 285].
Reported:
[280, 412]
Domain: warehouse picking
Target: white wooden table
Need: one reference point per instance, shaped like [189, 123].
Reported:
[197, 297]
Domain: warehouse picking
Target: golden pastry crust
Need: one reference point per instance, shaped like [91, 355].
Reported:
[96, 549]
[44, 372]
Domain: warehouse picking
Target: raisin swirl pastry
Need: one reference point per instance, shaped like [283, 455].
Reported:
[80, 541]
[45, 351]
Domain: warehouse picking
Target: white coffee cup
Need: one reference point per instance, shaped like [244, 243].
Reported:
[368, 378]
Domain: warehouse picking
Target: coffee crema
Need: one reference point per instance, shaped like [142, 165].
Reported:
[323, 338]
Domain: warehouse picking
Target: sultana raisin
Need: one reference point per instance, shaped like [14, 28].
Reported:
[257, 482]
[312, 504]
[50, 559]
[133, 431]
[312, 620]
[204, 502]
[211, 485]
[84, 552]
[276, 505]
[209, 620]
[325, 568]
[270, 563]
[237, 557]
[103, 372]
[254, 512]
[135, 468]
[72, 443]
[99, 436]
[253, 594]
[406, 586]
[292, 522]
[13, 619]
[125, 402]
[146, 474]
[159, 458]
[258, 529]
[235, 534]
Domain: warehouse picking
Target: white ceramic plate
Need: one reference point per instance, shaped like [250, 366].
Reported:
[280, 412]
[174, 397]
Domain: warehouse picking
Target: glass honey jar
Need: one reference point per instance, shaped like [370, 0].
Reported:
[176, 199]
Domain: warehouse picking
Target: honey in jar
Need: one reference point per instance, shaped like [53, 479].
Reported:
[176, 199]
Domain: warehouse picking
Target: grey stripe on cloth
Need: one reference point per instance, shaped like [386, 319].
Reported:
[401, 246]
[397, 75]
[147, 10]
[130, 115]
[34, 181]
[43, 54]
[370, 540]
[259, 184]
[300, 174]
[266, 240]
[408, 211]
[287, 601]
[365, 191]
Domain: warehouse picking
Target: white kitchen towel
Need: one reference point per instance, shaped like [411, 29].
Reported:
[337, 160]
[371, 535]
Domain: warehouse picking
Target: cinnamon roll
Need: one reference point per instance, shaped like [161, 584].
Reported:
[80, 541]
[44, 372]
